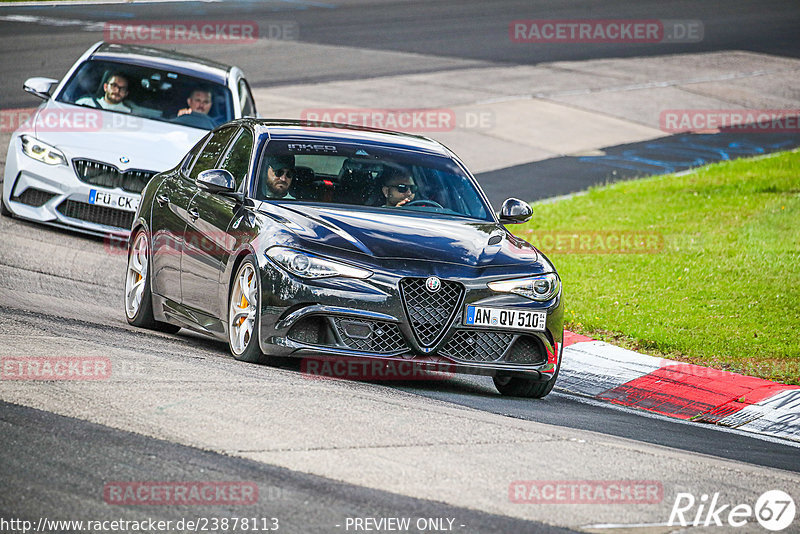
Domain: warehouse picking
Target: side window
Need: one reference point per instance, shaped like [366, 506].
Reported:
[207, 159]
[189, 158]
[246, 102]
[237, 160]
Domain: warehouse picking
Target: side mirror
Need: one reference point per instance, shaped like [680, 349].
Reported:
[216, 181]
[515, 211]
[40, 87]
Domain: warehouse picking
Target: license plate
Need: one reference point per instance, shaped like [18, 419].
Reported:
[112, 200]
[509, 318]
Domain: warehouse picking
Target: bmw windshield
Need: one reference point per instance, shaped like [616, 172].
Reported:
[149, 93]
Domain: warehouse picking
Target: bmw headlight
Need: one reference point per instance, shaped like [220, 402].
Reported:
[41, 151]
[310, 266]
[542, 287]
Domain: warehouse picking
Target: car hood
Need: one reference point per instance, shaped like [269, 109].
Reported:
[125, 141]
[409, 235]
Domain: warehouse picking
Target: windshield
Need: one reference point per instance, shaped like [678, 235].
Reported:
[149, 93]
[376, 177]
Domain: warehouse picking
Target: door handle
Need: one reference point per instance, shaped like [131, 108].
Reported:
[194, 214]
[162, 200]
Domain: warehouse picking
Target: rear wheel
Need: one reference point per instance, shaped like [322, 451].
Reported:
[138, 298]
[244, 304]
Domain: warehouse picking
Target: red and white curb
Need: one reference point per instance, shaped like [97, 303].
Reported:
[603, 371]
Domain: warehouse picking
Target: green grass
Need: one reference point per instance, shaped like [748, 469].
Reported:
[723, 289]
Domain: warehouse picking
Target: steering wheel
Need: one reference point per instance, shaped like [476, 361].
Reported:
[424, 202]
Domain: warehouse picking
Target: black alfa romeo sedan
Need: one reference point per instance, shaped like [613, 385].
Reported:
[289, 239]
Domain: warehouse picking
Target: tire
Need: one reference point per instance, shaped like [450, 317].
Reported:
[512, 386]
[244, 307]
[4, 211]
[138, 297]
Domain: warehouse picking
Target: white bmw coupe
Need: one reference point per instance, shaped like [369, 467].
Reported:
[119, 116]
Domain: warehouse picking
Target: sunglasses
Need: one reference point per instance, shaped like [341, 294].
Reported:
[280, 172]
[405, 188]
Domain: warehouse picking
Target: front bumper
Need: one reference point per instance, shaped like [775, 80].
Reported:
[369, 319]
[53, 194]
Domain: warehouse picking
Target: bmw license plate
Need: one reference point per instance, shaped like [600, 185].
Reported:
[113, 200]
[510, 318]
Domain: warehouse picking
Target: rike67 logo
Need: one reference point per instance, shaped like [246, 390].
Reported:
[774, 510]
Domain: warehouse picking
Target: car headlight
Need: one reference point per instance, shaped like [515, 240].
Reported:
[309, 266]
[542, 287]
[41, 151]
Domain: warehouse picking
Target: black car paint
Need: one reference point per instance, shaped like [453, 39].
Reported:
[192, 274]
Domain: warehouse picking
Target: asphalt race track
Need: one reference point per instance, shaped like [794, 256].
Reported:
[325, 452]
[456, 33]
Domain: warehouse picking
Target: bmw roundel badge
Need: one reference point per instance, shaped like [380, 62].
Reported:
[433, 284]
[124, 159]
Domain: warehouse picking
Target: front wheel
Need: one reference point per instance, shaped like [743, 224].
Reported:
[243, 314]
[4, 210]
[138, 297]
[513, 386]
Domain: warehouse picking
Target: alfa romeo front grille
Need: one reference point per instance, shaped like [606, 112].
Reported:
[527, 350]
[430, 312]
[477, 345]
[486, 346]
[369, 336]
[96, 214]
[105, 175]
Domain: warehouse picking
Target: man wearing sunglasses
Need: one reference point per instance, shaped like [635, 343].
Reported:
[399, 189]
[280, 173]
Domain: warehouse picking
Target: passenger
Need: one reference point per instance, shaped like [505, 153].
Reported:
[399, 189]
[280, 173]
[115, 90]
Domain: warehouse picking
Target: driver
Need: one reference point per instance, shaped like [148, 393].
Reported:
[199, 101]
[280, 173]
[399, 189]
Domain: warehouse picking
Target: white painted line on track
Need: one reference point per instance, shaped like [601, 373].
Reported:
[98, 2]
[303, 3]
[50, 21]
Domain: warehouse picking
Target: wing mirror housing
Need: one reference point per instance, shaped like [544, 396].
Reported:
[217, 181]
[40, 87]
[515, 211]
